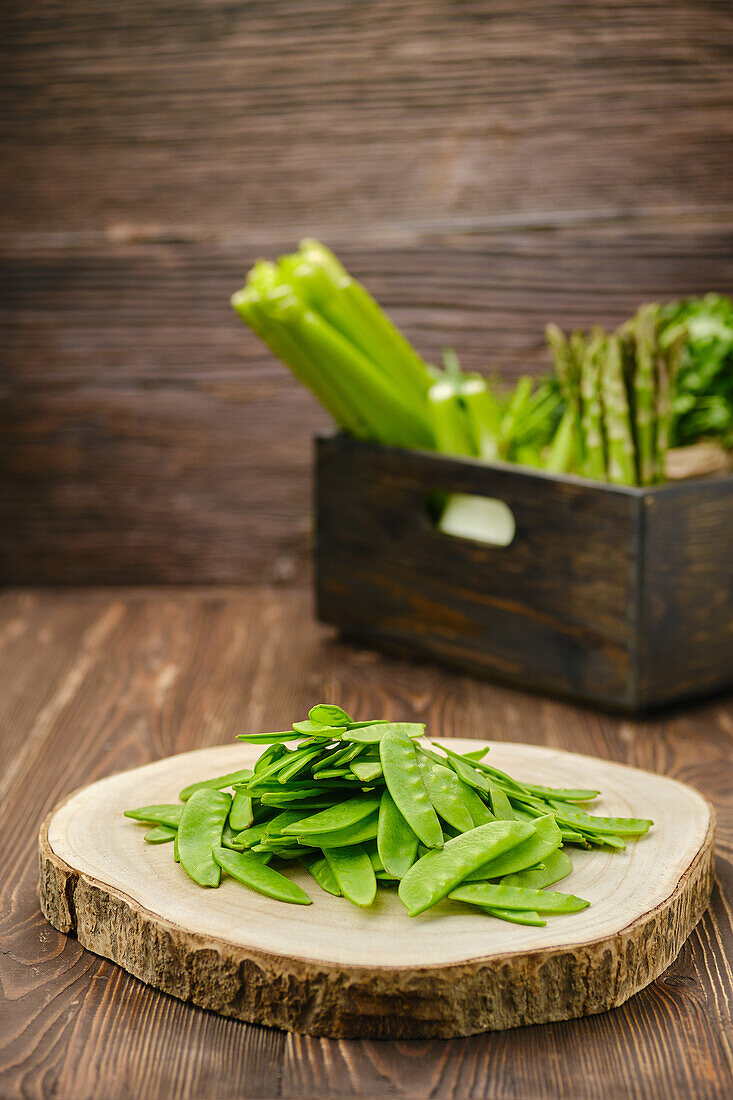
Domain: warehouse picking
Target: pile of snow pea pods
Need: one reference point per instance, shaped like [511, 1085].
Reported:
[362, 804]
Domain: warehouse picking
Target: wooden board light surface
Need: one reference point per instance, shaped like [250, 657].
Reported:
[332, 969]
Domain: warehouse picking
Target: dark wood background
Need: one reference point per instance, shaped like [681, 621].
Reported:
[483, 166]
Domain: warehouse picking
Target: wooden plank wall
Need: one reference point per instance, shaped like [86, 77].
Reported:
[484, 165]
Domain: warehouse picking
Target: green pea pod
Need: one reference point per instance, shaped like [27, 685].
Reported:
[358, 833]
[561, 794]
[230, 839]
[354, 873]
[620, 826]
[276, 764]
[366, 770]
[293, 766]
[404, 782]
[467, 771]
[517, 897]
[241, 815]
[555, 867]
[319, 729]
[304, 806]
[479, 811]
[161, 834]
[293, 852]
[373, 853]
[269, 757]
[249, 837]
[277, 825]
[373, 735]
[446, 793]
[500, 804]
[267, 738]
[252, 872]
[168, 813]
[343, 755]
[439, 872]
[216, 784]
[515, 916]
[329, 714]
[318, 867]
[546, 840]
[337, 817]
[396, 841]
[199, 831]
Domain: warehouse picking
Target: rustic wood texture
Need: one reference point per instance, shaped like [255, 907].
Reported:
[484, 167]
[93, 682]
[615, 595]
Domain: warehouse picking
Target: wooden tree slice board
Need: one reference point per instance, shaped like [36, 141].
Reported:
[335, 970]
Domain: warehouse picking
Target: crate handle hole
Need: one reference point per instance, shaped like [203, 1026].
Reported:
[480, 519]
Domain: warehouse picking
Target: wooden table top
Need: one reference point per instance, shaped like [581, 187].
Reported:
[95, 681]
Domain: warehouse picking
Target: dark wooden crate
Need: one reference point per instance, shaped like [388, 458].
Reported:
[620, 596]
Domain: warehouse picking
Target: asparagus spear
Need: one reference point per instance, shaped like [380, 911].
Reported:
[670, 356]
[567, 355]
[621, 459]
[594, 464]
[646, 392]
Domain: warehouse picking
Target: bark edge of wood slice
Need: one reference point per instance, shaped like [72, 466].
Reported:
[505, 989]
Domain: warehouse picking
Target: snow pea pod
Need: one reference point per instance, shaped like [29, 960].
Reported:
[446, 793]
[219, 782]
[358, 833]
[293, 766]
[199, 831]
[467, 771]
[517, 897]
[251, 871]
[546, 840]
[373, 853]
[277, 825]
[342, 755]
[249, 837]
[396, 841]
[438, 872]
[500, 803]
[366, 770]
[479, 811]
[277, 764]
[161, 834]
[229, 839]
[373, 734]
[241, 815]
[325, 730]
[337, 817]
[168, 813]
[289, 799]
[318, 867]
[404, 782]
[354, 873]
[556, 866]
[620, 826]
[329, 714]
[267, 738]
[343, 774]
[515, 916]
[561, 794]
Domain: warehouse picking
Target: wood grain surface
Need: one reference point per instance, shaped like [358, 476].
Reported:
[483, 166]
[92, 682]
